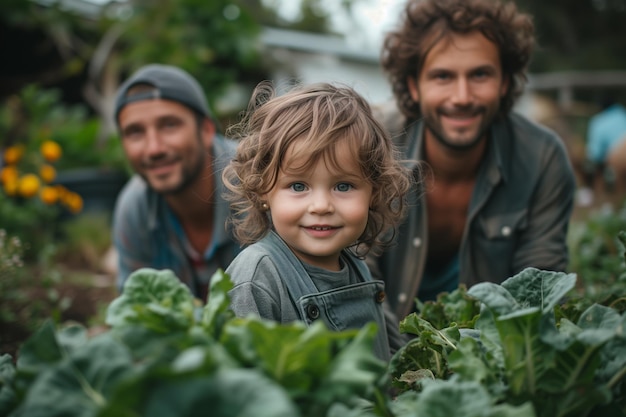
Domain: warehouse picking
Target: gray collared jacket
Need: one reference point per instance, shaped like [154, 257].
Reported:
[518, 215]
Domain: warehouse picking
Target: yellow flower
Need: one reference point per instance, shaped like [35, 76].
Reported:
[13, 154]
[50, 150]
[47, 173]
[28, 185]
[49, 195]
[73, 202]
[61, 191]
[10, 187]
[8, 173]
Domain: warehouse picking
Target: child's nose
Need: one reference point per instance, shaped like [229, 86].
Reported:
[321, 203]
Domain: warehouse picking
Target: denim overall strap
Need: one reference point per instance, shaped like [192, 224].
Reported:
[292, 272]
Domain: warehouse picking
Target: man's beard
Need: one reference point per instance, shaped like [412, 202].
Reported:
[436, 128]
[189, 175]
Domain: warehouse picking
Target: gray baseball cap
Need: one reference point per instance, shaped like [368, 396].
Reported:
[170, 83]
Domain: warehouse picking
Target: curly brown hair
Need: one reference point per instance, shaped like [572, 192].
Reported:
[319, 116]
[426, 22]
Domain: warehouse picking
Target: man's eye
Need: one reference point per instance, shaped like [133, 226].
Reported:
[481, 74]
[170, 123]
[132, 133]
[344, 186]
[298, 187]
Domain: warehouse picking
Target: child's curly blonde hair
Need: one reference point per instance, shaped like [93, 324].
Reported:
[318, 116]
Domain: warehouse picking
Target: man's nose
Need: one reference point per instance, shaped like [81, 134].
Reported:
[462, 91]
[154, 142]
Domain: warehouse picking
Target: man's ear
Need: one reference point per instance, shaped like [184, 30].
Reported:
[506, 84]
[207, 131]
[413, 91]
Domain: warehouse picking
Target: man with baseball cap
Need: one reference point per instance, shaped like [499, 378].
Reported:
[171, 215]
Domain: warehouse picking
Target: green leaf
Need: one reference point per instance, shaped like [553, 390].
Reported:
[536, 288]
[40, 351]
[416, 325]
[471, 362]
[217, 310]
[494, 296]
[452, 398]
[8, 398]
[317, 366]
[294, 355]
[355, 371]
[530, 288]
[427, 351]
[79, 384]
[225, 393]
[455, 307]
[526, 358]
[155, 299]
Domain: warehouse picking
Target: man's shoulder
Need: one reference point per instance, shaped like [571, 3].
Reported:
[535, 147]
[223, 151]
[134, 196]
[224, 145]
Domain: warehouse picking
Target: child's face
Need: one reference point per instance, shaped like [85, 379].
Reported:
[321, 211]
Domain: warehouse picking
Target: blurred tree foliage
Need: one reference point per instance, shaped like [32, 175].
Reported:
[214, 40]
[578, 34]
[86, 54]
[312, 16]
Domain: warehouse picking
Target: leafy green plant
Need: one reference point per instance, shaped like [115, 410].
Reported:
[454, 307]
[165, 355]
[597, 248]
[519, 352]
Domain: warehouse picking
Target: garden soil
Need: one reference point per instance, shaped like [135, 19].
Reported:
[83, 301]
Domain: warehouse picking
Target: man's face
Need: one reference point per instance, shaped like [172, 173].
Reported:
[163, 143]
[459, 89]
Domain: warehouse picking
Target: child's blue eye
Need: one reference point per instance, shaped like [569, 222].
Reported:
[298, 187]
[343, 187]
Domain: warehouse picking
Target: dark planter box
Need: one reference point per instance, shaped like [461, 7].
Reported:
[99, 188]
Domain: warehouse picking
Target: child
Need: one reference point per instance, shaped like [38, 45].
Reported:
[313, 186]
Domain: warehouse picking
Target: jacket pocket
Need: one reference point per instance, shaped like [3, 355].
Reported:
[493, 246]
[503, 226]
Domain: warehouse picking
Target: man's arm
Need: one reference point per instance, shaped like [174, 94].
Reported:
[130, 233]
[543, 244]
